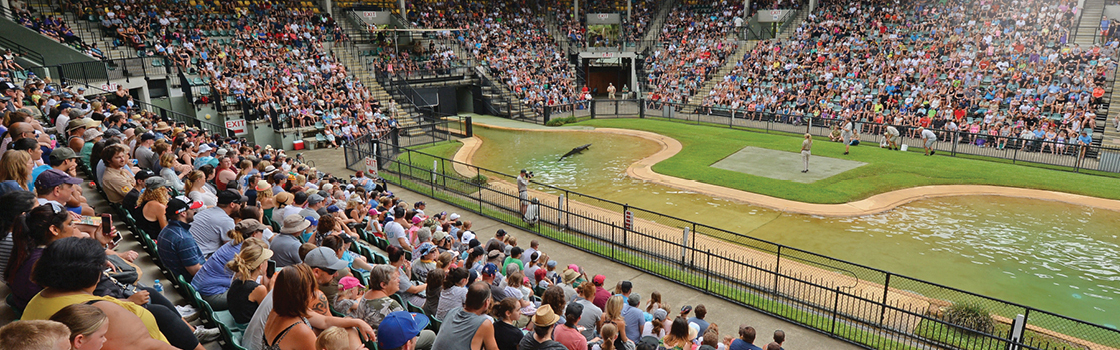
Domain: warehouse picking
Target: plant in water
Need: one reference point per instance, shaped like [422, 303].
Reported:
[971, 318]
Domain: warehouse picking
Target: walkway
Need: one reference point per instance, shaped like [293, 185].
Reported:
[643, 170]
[728, 315]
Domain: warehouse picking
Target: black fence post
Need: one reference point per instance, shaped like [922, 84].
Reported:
[708, 272]
[641, 108]
[777, 269]
[547, 114]
[835, 307]
[591, 106]
[886, 289]
[469, 127]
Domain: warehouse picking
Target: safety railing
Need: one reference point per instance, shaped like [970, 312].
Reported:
[865, 306]
[1069, 153]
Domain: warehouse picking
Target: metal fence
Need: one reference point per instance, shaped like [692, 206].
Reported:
[862, 305]
[1069, 154]
[394, 140]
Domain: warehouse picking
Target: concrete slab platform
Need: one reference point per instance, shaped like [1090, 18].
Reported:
[784, 165]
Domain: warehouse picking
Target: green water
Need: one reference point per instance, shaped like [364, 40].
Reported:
[1056, 257]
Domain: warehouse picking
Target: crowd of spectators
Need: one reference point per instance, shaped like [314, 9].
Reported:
[266, 57]
[994, 69]
[631, 29]
[53, 27]
[695, 42]
[219, 211]
[510, 39]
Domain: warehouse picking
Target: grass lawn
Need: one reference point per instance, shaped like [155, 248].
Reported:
[886, 170]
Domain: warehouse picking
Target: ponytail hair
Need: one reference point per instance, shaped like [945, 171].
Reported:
[81, 319]
[251, 250]
[608, 331]
[32, 230]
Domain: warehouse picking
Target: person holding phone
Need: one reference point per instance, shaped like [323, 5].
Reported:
[251, 281]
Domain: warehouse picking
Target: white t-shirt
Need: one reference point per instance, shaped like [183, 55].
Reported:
[394, 231]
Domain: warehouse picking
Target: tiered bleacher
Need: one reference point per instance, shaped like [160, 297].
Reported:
[996, 70]
[695, 42]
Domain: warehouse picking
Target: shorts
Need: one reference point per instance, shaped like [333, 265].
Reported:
[893, 139]
[847, 138]
[929, 143]
[524, 195]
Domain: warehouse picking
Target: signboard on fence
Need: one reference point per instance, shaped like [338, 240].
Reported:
[603, 18]
[771, 16]
[237, 126]
[628, 222]
[374, 17]
[371, 167]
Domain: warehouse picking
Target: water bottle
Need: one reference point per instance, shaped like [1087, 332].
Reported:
[158, 286]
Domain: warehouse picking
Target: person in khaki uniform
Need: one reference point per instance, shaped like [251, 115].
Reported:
[118, 179]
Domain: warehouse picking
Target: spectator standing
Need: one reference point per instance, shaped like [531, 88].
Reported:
[175, 245]
[469, 322]
[213, 224]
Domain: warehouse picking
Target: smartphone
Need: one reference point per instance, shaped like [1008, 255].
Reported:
[107, 224]
[271, 269]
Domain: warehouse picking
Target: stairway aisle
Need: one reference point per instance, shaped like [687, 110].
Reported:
[1089, 24]
[349, 55]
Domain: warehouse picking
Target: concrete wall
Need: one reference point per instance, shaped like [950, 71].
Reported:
[1112, 11]
[53, 52]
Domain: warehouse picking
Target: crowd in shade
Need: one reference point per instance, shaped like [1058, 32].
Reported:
[298, 258]
[632, 28]
[695, 41]
[512, 41]
[993, 69]
[266, 58]
[52, 27]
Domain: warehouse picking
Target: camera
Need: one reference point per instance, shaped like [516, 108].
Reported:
[529, 174]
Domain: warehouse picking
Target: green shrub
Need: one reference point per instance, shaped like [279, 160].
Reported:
[561, 121]
[970, 318]
[479, 180]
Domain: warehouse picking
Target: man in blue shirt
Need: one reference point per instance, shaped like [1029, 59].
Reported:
[1084, 141]
[701, 312]
[176, 247]
[746, 339]
[632, 313]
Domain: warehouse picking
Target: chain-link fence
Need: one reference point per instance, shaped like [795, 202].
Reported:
[862, 305]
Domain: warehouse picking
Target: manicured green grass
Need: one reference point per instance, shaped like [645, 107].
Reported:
[886, 170]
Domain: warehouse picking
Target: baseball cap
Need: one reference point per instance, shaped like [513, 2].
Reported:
[61, 155]
[150, 136]
[112, 133]
[454, 216]
[599, 279]
[222, 152]
[501, 232]
[314, 199]
[349, 282]
[180, 204]
[55, 177]
[686, 309]
[398, 328]
[325, 259]
[202, 149]
[143, 174]
[333, 209]
[490, 269]
[552, 263]
[439, 236]
[229, 196]
[301, 197]
[416, 220]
